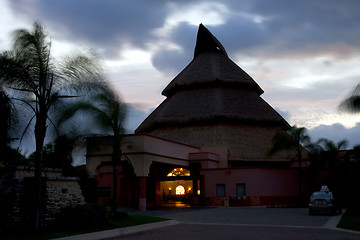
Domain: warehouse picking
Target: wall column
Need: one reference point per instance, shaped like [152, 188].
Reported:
[142, 193]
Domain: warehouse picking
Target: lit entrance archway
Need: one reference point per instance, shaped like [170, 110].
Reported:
[176, 188]
[180, 190]
[179, 172]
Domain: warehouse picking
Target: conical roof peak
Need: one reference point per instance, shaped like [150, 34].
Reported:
[207, 42]
[210, 65]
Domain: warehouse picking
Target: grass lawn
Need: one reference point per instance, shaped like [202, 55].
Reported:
[131, 220]
[350, 220]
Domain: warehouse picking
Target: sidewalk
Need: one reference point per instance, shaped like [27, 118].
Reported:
[120, 231]
[333, 221]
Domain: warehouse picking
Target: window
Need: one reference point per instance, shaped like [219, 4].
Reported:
[220, 190]
[240, 190]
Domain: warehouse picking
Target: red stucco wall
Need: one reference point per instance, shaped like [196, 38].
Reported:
[264, 186]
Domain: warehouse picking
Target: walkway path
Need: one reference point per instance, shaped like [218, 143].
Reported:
[244, 215]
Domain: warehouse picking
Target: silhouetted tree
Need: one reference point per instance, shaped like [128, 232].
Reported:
[5, 122]
[58, 154]
[329, 151]
[340, 167]
[40, 83]
[293, 139]
[352, 103]
[108, 111]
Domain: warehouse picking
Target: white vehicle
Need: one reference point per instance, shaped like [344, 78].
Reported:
[324, 188]
[323, 201]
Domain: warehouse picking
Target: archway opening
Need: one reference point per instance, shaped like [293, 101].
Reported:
[180, 190]
[179, 172]
[176, 188]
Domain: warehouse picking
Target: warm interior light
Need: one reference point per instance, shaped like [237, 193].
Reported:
[198, 192]
[180, 190]
[179, 172]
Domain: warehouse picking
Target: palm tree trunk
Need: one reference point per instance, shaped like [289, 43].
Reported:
[114, 198]
[115, 160]
[300, 184]
[40, 132]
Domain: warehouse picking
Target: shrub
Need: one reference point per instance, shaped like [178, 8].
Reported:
[86, 216]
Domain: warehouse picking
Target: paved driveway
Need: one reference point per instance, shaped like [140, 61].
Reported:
[244, 223]
[231, 223]
[244, 215]
[231, 232]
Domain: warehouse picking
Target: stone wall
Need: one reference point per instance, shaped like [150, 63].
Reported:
[16, 194]
[61, 192]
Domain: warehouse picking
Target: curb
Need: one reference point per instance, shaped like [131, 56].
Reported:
[333, 221]
[119, 231]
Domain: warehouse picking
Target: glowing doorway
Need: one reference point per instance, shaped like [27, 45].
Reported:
[180, 190]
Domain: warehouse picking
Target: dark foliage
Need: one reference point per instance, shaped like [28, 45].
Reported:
[77, 217]
[11, 157]
[5, 110]
[58, 155]
[342, 168]
[7, 199]
[40, 84]
[88, 185]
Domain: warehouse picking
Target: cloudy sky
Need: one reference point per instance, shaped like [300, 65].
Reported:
[305, 54]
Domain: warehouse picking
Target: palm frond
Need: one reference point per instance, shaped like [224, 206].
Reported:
[27, 126]
[351, 104]
[14, 73]
[290, 138]
[82, 67]
[330, 146]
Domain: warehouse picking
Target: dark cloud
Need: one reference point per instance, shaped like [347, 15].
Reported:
[276, 26]
[134, 118]
[307, 22]
[332, 90]
[267, 28]
[102, 24]
[174, 60]
[336, 133]
[240, 33]
[170, 61]
[233, 35]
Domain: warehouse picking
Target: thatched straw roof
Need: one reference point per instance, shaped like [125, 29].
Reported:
[211, 89]
[210, 65]
[211, 105]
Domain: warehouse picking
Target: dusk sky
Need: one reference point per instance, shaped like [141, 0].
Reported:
[304, 54]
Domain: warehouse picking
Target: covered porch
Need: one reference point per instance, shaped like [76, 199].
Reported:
[166, 173]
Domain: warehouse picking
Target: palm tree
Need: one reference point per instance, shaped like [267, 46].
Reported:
[329, 151]
[294, 139]
[6, 117]
[30, 72]
[5, 109]
[337, 178]
[107, 109]
[352, 103]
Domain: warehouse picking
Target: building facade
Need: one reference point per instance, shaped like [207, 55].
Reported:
[207, 143]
